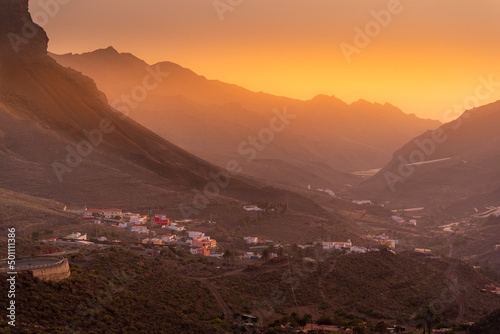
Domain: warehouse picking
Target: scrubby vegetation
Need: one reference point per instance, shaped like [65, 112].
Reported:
[117, 291]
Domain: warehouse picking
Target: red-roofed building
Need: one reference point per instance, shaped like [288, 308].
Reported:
[162, 220]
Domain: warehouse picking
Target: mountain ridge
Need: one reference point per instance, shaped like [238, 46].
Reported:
[343, 137]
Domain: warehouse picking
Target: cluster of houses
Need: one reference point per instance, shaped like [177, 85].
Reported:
[198, 242]
[326, 245]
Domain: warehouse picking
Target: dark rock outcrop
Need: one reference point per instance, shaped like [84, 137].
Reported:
[20, 38]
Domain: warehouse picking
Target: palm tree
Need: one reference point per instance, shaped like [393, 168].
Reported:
[427, 318]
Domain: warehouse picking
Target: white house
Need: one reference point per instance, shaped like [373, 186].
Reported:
[122, 225]
[362, 202]
[92, 213]
[168, 238]
[252, 208]
[102, 239]
[357, 249]
[139, 229]
[195, 234]
[251, 240]
[112, 213]
[413, 222]
[76, 235]
[248, 255]
[336, 245]
[137, 219]
[175, 227]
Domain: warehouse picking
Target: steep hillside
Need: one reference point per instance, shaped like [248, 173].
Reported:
[323, 139]
[460, 170]
[60, 139]
[108, 294]
[488, 325]
[377, 285]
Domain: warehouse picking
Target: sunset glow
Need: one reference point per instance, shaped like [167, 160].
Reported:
[427, 58]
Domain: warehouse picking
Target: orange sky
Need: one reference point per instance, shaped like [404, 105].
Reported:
[427, 58]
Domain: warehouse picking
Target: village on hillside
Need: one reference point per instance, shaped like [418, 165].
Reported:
[156, 231]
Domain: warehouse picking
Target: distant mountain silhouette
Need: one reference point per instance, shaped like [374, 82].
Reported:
[325, 141]
[465, 173]
[60, 139]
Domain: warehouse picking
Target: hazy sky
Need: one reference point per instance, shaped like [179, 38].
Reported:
[425, 58]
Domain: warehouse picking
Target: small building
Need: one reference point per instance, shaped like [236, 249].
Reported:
[252, 208]
[76, 236]
[200, 251]
[138, 219]
[151, 241]
[168, 238]
[102, 239]
[92, 213]
[412, 222]
[248, 255]
[423, 250]
[195, 234]
[175, 227]
[201, 243]
[112, 213]
[362, 202]
[122, 225]
[139, 229]
[328, 245]
[251, 240]
[357, 249]
[162, 220]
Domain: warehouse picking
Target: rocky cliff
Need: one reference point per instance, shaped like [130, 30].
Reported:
[20, 38]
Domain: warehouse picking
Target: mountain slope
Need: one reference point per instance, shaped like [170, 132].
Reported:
[463, 172]
[60, 139]
[325, 140]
